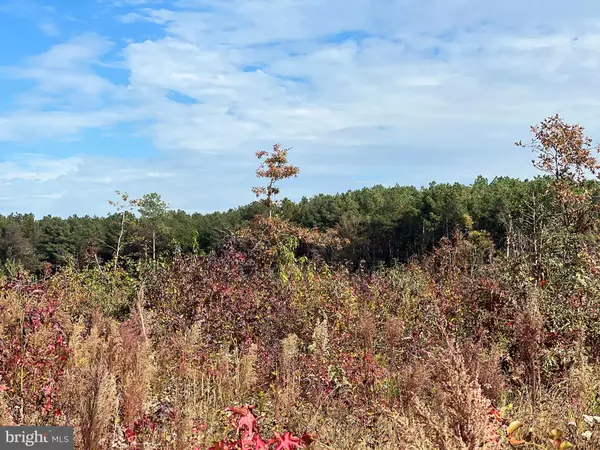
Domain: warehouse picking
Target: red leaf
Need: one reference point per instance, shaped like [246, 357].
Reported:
[246, 420]
[286, 442]
[259, 443]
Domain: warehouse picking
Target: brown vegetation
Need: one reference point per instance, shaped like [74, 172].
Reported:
[261, 342]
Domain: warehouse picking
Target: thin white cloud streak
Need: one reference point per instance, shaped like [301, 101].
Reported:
[50, 28]
[33, 126]
[38, 169]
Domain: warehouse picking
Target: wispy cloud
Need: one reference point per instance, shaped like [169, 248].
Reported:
[43, 16]
[157, 16]
[67, 95]
[67, 67]
[33, 126]
[35, 168]
[50, 28]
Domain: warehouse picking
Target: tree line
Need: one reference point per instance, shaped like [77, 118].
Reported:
[383, 224]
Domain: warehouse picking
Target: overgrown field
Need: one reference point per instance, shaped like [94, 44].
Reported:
[263, 344]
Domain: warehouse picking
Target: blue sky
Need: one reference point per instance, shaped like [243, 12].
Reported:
[175, 96]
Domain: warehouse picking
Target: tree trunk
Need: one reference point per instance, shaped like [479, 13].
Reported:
[153, 245]
[120, 238]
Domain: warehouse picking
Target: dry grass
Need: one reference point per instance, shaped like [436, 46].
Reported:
[288, 389]
[90, 387]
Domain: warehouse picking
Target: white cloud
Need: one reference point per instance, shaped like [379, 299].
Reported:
[158, 16]
[67, 67]
[68, 95]
[481, 75]
[42, 15]
[40, 169]
[31, 126]
[53, 196]
[50, 28]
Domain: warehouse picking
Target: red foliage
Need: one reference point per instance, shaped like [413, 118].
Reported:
[249, 437]
[34, 354]
[275, 168]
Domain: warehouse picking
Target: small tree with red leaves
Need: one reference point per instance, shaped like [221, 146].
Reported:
[563, 150]
[566, 154]
[275, 167]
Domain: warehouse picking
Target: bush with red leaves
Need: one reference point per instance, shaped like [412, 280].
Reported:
[33, 355]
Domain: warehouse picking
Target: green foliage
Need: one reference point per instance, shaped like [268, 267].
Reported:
[111, 291]
[383, 224]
